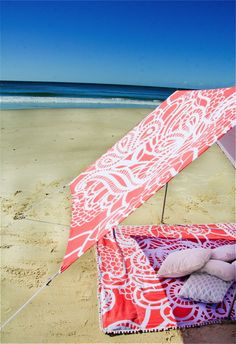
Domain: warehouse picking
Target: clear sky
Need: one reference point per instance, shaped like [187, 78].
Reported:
[162, 43]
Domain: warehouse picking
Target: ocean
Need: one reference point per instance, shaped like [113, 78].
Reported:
[30, 95]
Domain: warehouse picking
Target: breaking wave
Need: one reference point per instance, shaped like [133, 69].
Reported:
[10, 102]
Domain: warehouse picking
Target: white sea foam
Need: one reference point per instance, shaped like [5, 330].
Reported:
[63, 100]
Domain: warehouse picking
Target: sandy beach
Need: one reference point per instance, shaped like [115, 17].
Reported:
[42, 151]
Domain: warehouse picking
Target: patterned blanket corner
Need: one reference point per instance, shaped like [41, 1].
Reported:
[131, 296]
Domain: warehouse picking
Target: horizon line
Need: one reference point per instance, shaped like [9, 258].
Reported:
[102, 83]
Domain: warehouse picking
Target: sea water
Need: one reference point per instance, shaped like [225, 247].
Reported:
[30, 95]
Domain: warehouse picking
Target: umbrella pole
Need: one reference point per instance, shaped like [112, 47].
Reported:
[29, 300]
[232, 304]
[164, 204]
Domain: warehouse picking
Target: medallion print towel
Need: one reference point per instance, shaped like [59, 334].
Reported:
[132, 298]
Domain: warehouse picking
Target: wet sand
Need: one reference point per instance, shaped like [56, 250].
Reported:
[42, 151]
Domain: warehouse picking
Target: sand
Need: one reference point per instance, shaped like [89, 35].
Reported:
[42, 150]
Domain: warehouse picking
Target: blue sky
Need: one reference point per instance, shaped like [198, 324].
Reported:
[162, 43]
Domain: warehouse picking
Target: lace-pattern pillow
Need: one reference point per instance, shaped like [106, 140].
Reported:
[204, 288]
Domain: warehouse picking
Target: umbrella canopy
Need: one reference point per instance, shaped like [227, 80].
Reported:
[227, 144]
[143, 161]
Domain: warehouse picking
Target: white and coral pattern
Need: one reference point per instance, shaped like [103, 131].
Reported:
[137, 166]
[132, 298]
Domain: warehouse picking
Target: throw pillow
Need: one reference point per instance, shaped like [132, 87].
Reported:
[204, 288]
[226, 253]
[220, 269]
[182, 263]
[234, 266]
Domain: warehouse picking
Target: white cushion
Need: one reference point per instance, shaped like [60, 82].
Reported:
[226, 253]
[220, 269]
[234, 267]
[182, 263]
[204, 288]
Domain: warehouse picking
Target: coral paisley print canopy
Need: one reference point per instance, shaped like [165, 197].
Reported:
[143, 161]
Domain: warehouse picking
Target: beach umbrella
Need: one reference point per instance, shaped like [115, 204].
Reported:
[143, 161]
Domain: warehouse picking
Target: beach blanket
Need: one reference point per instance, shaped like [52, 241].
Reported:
[131, 296]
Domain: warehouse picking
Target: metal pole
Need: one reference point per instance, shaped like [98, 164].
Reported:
[232, 304]
[164, 204]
